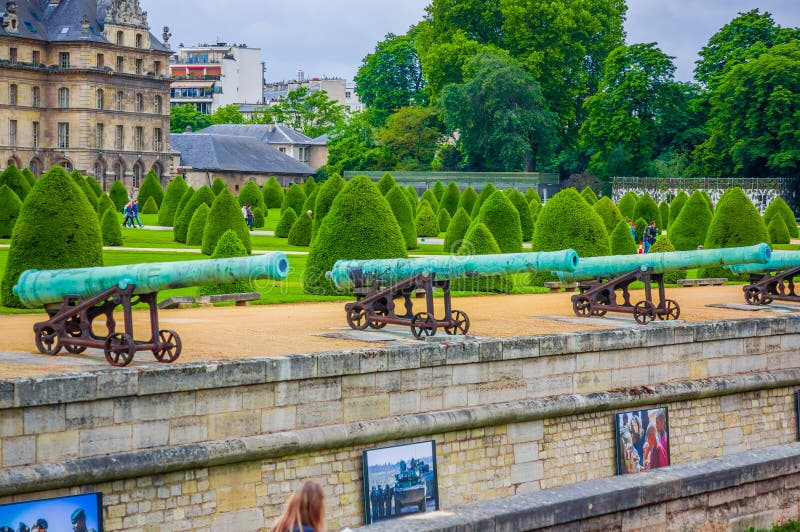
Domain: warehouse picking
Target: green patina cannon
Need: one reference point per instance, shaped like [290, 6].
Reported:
[773, 281]
[378, 283]
[601, 277]
[75, 298]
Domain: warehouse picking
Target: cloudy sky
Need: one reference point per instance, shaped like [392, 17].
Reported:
[330, 37]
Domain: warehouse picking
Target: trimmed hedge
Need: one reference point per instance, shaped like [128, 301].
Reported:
[608, 212]
[251, 195]
[663, 245]
[708, 200]
[413, 197]
[172, 198]
[80, 180]
[104, 203]
[309, 186]
[203, 195]
[284, 227]
[311, 200]
[398, 201]
[360, 225]
[524, 211]
[778, 207]
[48, 236]
[228, 245]
[430, 197]
[675, 208]
[627, 204]
[300, 234]
[294, 198]
[111, 228]
[182, 204]
[13, 179]
[197, 225]
[640, 224]
[500, 216]
[28, 175]
[327, 193]
[386, 183]
[225, 214]
[10, 207]
[487, 191]
[480, 241]
[273, 194]
[622, 242]
[218, 186]
[532, 195]
[778, 232]
[450, 199]
[647, 208]
[689, 229]
[259, 220]
[150, 207]
[119, 195]
[443, 218]
[588, 194]
[536, 208]
[456, 231]
[151, 188]
[425, 221]
[92, 182]
[468, 199]
[663, 211]
[438, 190]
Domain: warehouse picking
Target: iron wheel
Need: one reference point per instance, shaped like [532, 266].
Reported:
[423, 325]
[119, 349]
[48, 341]
[357, 317]
[581, 305]
[644, 312]
[672, 311]
[170, 346]
[460, 322]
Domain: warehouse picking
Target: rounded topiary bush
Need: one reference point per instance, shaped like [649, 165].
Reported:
[13, 179]
[300, 234]
[450, 199]
[92, 182]
[228, 245]
[708, 200]
[119, 195]
[500, 216]
[627, 204]
[588, 194]
[608, 212]
[663, 211]
[456, 231]
[197, 225]
[111, 228]
[778, 232]
[294, 198]
[104, 204]
[311, 200]
[398, 201]
[309, 186]
[622, 242]
[425, 221]
[640, 224]
[524, 211]
[675, 207]
[430, 197]
[778, 207]
[327, 193]
[28, 175]
[479, 241]
[360, 225]
[259, 221]
[386, 183]
[225, 214]
[218, 186]
[443, 217]
[438, 190]
[150, 207]
[647, 208]
[151, 188]
[487, 191]
[532, 195]
[181, 227]
[251, 195]
[663, 245]
[10, 207]
[48, 236]
[172, 198]
[273, 194]
[468, 199]
[284, 227]
[182, 204]
[80, 180]
[689, 229]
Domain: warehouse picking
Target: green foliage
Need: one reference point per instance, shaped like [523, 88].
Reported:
[622, 242]
[151, 188]
[150, 206]
[197, 225]
[360, 225]
[663, 213]
[111, 228]
[398, 201]
[182, 205]
[689, 229]
[524, 210]
[13, 179]
[443, 218]
[663, 245]
[532, 195]
[778, 232]
[627, 204]
[28, 175]
[588, 194]
[456, 231]
[487, 191]
[413, 199]
[92, 182]
[251, 195]
[311, 200]
[608, 212]
[438, 190]
[708, 200]
[412, 136]
[536, 208]
[104, 203]
[327, 193]
[183, 116]
[312, 113]
[778, 207]
[426, 222]
[227, 114]
[228, 245]
[273, 194]
[259, 221]
[284, 227]
[181, 226]
[48, 236]
[647, 208]
[218, 186]
[172, 198]
[500, 216]
[300, 234]
[309, 186]
[10, 207]
[225, 214]
[640, 224]
[675, 207]
[480, 241]
[294, 198]
[80, 180]
[119, 195]
[354, 147]
[450, 199]
[430, 197]
[386, 183]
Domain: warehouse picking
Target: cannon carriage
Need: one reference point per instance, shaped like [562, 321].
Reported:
[773, 281]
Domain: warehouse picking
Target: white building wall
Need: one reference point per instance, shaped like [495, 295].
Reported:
[250, 75]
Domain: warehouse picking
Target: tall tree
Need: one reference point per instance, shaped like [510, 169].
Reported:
[227, 114]
[182, 116]
[313, 113]
[412, 135]
[354, 147]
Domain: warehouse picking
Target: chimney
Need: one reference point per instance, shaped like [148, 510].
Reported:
[189, 128]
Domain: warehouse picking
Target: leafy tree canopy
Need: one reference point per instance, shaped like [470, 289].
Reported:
[412, 135]
[313, 113]
[183, 116]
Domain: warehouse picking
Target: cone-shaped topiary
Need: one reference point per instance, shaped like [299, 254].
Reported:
[608, 212]
[532, 195]
[111, 228]
[151, 188]
[181, 227]
[273, 194]
[311, 200]
[487, 191]
[535, 210]
[438, 190]
[309, 186]
[80, 180]
[456, 231]
[28, 175]
[622, 242]
[647, 208]
[228, 245]
[500, 216]
[778, 232]
[413, 199]
[479, 241]
[468, 199]
[450, 199]
[150, 207]
[251, 195]
[689, 229]
[300, 234]
[284, 227]
[172, 197]
[217, 186]
[640, 224]
[443, 217]
[430, 197]
[104, 203]
[627, 204]
[425, 221]
[663, 245]
[360, 225]
[588, 194]
[48, 236]
[386, 183]
[13, 179]
[327, 193]
[92, 182]
[675, 207]
[10, 207]
[225, 214]
[398, 201]
[294, 198]
[197, 225]
[778, 207]
[182, 204]
[736, 223]
[258, 218]
[119, 195]
[708, 200]
[524, 210]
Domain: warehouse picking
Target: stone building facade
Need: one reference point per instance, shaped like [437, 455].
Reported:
[84, 84]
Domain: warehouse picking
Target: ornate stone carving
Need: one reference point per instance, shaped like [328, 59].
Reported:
[126, 12]
[10, 21]
[166, 35]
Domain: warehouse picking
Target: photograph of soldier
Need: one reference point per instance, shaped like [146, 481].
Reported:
[642, 440]
[400, 480]
[76, 513]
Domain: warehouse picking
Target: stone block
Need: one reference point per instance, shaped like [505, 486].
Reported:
[287, 393]
[11, 423]
[527, 472]
[182, 377]
[317, 390]
[548, 386]
[526, 452]
[658, 336]
[416, 379]
[529, 431]
[278, 419]
[176, 302]
[247, 519]
[257, 396]
[521, 347]
[117, 383]
[749, 363]
[361, 408]
[432, 355]
[431, 400]
[56, 389]
[19, 451]
[106, 440]
[41, 419]
[151, 434]
[233, 424]
[462, 353]
[716, 330]
[6, 395]
[154, 407]
[756, 521]
[374, 360]
[402, 357]
[388, 382]
[56, 447]
[454, 397]
[595, 381]
[502, 391]
[645, 518]
[404, 403]
[490, 350]
[191, 429]
[504, 370]
[89, 415]
[319, 414]
[336, 363]
[553, 344]
[470, 373]
[723, 348]
[358, 385]
[291, 367]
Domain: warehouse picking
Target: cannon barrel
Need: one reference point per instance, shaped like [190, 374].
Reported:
[37, 288]
[780, 260]
[593, 267]
[348, 274]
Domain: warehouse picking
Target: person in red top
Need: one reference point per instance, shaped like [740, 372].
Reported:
[655, 455]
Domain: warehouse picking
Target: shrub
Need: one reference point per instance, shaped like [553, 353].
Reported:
[151, 188]
[218, 186]
[150, 207]
[13, 179]
[524, 211]
[182, 204]
[119, 195]
[386, 183]
[48, 236]
[640, 224]
[327, 193]
[309, 186]
[663, 212]
[622, 242]
[479, 241]
[311, 200]
[468, 199]
[104, 203]
[647, 208]
[438, 191]
[398, 201]
[197, 225]
[430, 197]
[251, 195]
[360, 225]
[778, 207]
[532, 195]
[627, 204]
[691, 226]
[300, 234]
[413, 197]
[111, 228]
[80, 180]
[10, 207]
[172, 198]
[273, 194]
[663, 245]
[502, 219]
[92, 182]
[675, 208]
[284, 227]
[588, 194]
[259, 221]
[426, 222]
[228, 245]
[778, 232]
[443, 218]
[608, 212]
[225, 214]
[29, 177]
[294, 198]
[181, 227]
[708, 200]
[456, 231]
[450, 199]
[487, 191]
[536, 208]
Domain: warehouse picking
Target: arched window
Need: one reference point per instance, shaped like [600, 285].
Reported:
[63, 97]
[119, 171]
[157, 106]
[35, 167]
[100, 102]
[139, 102]
[12, 94]
[138, 172]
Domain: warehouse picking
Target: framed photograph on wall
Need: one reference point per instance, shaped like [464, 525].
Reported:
[642, 440]
[400, 480]
[81, 513]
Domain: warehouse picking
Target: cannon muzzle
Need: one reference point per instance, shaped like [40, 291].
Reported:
[38, 288]
[780, 260]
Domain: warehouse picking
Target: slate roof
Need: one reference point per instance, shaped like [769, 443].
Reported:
[271, 134]
[204, 151]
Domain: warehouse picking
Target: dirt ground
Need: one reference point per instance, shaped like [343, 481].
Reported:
[257, 331]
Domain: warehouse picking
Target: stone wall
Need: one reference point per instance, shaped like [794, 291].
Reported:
[197, 445]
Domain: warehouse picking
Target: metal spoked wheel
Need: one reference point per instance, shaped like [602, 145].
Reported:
[460, 322]
[644, 312]
[379, 310]
[357, 317]
[48, 341]
[581, 306]
[119, 349]
[170, 344]
[672, 311]
[73, 329]
[423, 325]
[752, 295]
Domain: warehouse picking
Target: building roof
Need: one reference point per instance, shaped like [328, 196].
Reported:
[269, 133]
[322, 140]
[204, 151]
